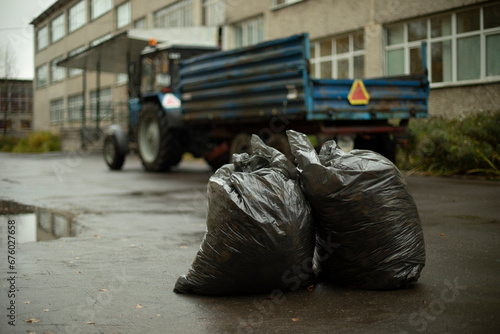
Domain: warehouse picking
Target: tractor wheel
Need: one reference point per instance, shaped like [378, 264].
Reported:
[158, 145]
[112, 155]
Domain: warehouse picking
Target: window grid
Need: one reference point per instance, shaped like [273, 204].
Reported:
[57, 29]
[249, 32]
[455, 42]
[57, 111]
[214, 12]
[57, 73]
[179, 14]
[77, 16]
[42, 38]
[100, 7]
[123, 16]
[72, 72]
[105, 104]
[75, 108]
[41, 75]
[338, 62]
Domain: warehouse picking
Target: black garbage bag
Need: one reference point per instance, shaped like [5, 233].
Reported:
[369, 233]
[260, 234]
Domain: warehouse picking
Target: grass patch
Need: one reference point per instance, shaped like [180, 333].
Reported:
[36, 142]
[439, 146]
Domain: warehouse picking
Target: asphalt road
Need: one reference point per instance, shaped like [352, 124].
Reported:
[137, 232]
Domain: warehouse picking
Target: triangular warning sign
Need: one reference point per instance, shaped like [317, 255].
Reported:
[170, 101]
[358, 94]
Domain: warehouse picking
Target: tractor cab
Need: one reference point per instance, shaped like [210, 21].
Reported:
[159, 72]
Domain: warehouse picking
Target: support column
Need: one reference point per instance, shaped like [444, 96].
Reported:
[374, 47]
[98, 94]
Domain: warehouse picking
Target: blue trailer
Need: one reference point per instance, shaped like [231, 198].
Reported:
[209, 105]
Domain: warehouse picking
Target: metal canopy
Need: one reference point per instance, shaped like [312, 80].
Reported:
[114, 54]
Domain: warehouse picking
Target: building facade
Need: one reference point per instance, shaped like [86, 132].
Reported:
[16, 107]
[349, 39]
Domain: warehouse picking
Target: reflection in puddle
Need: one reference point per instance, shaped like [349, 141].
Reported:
[38, 224]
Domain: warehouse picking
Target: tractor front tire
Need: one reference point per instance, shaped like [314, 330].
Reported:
[158, 145]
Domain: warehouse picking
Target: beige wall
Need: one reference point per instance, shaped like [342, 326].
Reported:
[458, 101]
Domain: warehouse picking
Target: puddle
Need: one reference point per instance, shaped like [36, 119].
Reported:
[38, 224]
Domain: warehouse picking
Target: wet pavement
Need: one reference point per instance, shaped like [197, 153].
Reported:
[136, 232]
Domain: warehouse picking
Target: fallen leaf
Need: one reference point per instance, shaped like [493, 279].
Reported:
[310, 288]
[97, 236]
[31, 332]
[46, 310]
[78, 272]
[27, 303]
[71, 262]
[48, 332]
[32, 320]
[103, 290]
[131, 245]
[70, 252]
[138, 306]
[91, 322]
[158, 315]
[182, 247]
[295, 319]
[442, 234]
[124, 239]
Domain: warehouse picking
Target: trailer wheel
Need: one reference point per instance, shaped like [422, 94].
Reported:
[241, 144]
[280, 142]
[158, 146]
[112, 155]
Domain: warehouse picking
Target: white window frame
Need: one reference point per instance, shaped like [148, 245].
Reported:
[214, 12]
[57, 73]
[453, 37]
[73, 72]
[317, 59]
[178, 14]
[75, 107]
[105, 103]
[256, 25]
[42, 76]
[77, 16]
[56, 111]
[99, 7]
[123, 9]
[141, 23]
[42, 38]
[57, 28]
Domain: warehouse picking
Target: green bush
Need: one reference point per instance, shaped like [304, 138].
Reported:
[36, 142]
[458, 146]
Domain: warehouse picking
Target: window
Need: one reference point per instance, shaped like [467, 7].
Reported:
[249, 32]
[214, 12]
[121, 79]
[42, 73]
[105, 104]
[179, 14]
[461, 46]
[140, 23]
[75, 71]
[123, 15]
[57, 73]
[42, 38]
[77, 16]
[57, 111]
[99, 7]
[57, 28]
[339, 57]
[75, 108]
[25, 124]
